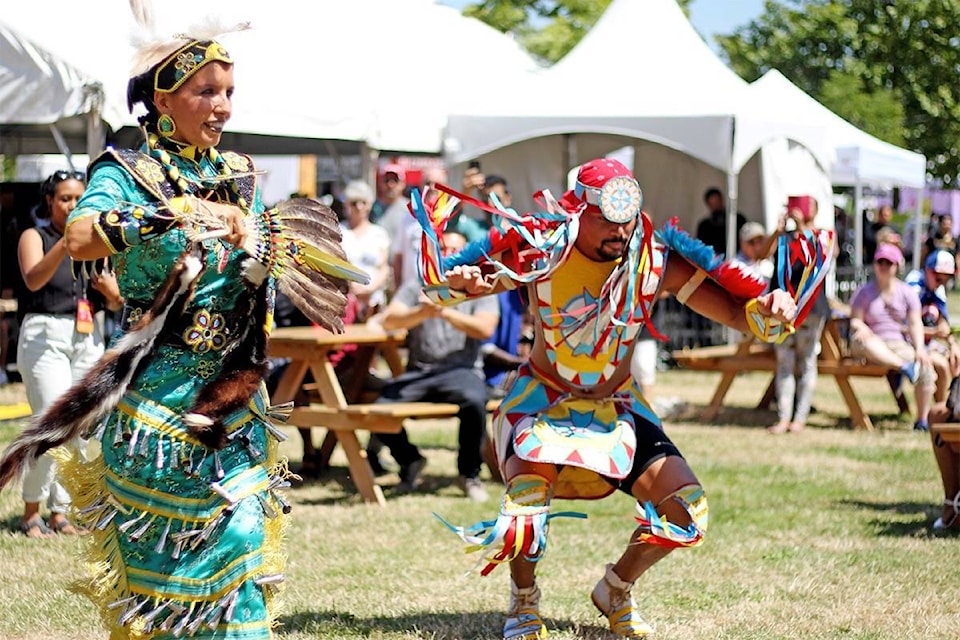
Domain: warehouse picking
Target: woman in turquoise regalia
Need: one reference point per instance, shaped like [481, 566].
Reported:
[182, 504]
[181, 556]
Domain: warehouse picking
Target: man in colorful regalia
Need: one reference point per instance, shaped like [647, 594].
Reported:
[574, 424]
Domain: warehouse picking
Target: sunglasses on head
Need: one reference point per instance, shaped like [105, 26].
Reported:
[61, 175]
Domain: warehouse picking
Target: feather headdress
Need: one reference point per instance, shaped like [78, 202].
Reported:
[153, 47]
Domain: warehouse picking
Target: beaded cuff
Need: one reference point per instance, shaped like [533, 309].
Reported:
[130, 226]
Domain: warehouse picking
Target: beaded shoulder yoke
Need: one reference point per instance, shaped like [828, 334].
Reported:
[151, 175]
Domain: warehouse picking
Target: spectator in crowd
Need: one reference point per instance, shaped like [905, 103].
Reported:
[444, 365]
[755, 245]
[392, 207]
[501, 353]
[712, 230]
[941, 237]
[948, 463]
[882, 218]
[367, 246]
[886, 328]
[60, 338]
[796, 376]
[474, 224]
[930, 284]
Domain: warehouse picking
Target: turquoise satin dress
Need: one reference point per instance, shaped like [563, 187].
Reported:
[185, 539]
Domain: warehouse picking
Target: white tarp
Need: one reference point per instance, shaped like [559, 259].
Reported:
[365, 70]
[642, 75]
[39, 90]
[858, 156]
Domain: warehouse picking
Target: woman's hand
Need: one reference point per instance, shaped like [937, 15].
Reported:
[778, 304]
[231, 217]
[469, 279]
[106, 283]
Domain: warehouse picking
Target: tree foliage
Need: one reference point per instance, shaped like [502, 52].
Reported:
[548, 29]
[862, 58]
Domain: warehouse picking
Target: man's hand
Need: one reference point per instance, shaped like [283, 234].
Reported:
[430, 308]
[469, 279]
[777, 304]
[473, 179]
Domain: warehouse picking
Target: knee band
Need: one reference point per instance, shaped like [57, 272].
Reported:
[656, 529]
[520, 529]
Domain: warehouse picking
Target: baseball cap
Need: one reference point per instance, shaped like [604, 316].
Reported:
[395, 169]
[887, 251]
[941, 262]
[751, 230]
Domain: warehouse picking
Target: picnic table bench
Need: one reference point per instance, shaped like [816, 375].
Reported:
[308, 349]
[949, 432]
[751, 355]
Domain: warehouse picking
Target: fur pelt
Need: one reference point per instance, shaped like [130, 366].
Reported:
[97, 393]
[244, 367]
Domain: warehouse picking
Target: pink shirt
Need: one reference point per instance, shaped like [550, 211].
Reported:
[887, 318]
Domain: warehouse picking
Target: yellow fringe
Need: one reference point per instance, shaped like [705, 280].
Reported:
[274, 537]
[105, 578]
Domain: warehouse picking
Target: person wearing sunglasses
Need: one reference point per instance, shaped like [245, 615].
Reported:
[886, 328]
[60, 336]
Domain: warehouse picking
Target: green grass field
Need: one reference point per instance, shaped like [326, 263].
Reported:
[823, 534]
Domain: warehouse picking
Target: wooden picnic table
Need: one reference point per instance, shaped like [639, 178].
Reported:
[309, 349]
[751, 355]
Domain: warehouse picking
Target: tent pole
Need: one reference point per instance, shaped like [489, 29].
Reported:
[369, 160]
[918, 229]
[570, 159]
[94, 122]
[62, 145]
[731, 244]
[857, 227]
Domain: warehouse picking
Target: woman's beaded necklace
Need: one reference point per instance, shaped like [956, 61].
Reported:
[226, 189]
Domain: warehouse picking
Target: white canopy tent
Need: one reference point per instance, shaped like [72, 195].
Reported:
[310, 71]
[45, 102]
[858, 160]
[643, 77]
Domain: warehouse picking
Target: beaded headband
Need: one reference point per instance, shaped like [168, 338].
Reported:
[183, 63]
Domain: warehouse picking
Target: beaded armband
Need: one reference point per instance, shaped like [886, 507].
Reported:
[766, 328]
[132, 225]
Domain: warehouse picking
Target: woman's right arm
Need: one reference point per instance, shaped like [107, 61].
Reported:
[112, 215]
[36, 267]
[82, 241]
[107, 186]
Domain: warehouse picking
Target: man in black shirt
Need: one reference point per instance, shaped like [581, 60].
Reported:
[712, 230]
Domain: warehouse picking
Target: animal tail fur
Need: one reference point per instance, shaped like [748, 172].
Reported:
[97, 394]
[244, 368]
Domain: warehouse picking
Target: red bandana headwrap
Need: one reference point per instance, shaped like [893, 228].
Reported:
[608, 186]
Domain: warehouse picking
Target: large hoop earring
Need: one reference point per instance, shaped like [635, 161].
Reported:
[166, 126]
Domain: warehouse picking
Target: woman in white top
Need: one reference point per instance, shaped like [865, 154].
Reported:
[367, 245]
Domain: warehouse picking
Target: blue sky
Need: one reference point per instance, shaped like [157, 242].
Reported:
[722, 16]
[708, 16]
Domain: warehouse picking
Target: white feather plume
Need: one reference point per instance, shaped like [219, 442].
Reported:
[152, 47]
